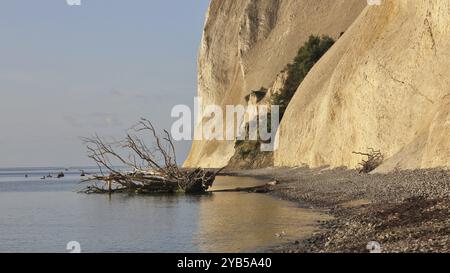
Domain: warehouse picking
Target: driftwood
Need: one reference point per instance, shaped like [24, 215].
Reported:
[269, 187]
[374, 159]
[154, 168]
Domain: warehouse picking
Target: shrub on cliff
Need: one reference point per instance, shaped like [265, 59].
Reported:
[308, 55]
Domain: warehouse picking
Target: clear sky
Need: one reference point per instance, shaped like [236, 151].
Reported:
[72, 71]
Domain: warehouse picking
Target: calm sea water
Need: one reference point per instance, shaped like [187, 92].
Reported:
[44, 215]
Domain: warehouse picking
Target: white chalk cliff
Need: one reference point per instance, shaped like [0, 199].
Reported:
[385, 84]
[246, 43]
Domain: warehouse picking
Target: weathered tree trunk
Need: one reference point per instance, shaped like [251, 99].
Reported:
[155, 168]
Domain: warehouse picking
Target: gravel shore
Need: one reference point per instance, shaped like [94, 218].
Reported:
[404, 211]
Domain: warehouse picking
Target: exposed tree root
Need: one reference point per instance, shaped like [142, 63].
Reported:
[154, 169]
[374, 160]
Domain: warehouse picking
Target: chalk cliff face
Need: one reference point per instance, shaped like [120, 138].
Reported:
[247, 43]
[385, 84]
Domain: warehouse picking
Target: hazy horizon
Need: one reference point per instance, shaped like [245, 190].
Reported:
[73, 71]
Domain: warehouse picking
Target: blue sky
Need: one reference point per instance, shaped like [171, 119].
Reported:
[67, 72]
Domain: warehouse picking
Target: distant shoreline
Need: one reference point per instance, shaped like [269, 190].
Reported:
[404, 211]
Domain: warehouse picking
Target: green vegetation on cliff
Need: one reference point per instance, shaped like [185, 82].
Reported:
[308, 55]
[248, 154]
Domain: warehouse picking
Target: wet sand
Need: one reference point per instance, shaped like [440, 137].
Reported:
[404, 211]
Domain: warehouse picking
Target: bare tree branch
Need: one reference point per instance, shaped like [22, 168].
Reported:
[374, 159]
[154, 169]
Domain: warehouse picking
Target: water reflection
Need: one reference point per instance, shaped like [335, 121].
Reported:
[43, 217]
[239, 222]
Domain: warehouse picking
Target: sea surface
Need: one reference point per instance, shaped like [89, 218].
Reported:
[44, 215]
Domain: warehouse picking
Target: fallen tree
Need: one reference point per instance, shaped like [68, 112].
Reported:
[374, 159]
[151, 169]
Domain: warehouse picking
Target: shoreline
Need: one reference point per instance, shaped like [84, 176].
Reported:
[404, 211]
